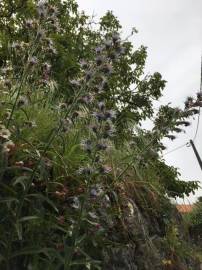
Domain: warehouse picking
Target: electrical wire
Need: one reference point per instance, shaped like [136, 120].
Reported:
[198, 122]
[175, 149]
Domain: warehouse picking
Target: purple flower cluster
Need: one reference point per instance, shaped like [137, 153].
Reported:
[101, 115]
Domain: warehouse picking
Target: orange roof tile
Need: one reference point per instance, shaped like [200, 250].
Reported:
[184, 208]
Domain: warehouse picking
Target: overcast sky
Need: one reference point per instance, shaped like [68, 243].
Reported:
[172, 31]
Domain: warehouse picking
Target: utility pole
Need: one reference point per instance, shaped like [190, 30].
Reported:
[196, 153]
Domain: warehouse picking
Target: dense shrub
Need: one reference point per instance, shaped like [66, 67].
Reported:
[72, 101]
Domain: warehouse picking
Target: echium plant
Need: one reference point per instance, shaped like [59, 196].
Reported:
[99, 122]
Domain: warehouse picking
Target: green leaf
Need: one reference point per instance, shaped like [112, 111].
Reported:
[6, 200]
[21, 180]
[28, 218]
[31, 251]
[44, 198]
[18, 227]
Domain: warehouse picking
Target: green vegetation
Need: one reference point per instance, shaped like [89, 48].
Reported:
[73, 155]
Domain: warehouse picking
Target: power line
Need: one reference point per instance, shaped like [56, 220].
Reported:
[175, 149]
[198, 121]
